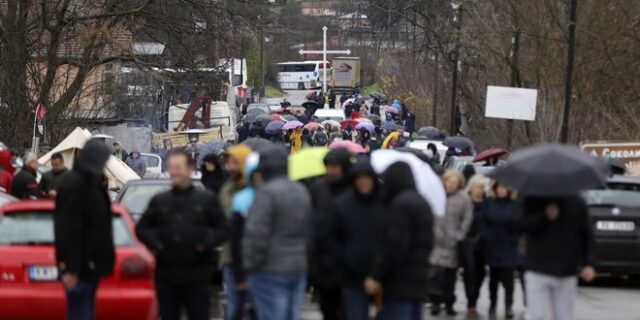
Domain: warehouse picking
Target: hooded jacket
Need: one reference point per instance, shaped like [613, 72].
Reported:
[323, 264]
[6, 171]
[357, 228]
[403, 260]
[213, 180]
[276, 229]
[240, 205]
[83, 217]
[239, 153]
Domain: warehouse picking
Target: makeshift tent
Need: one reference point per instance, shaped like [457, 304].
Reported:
[116, 170]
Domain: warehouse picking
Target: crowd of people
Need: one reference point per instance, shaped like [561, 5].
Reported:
[367, 124]
[22, 183]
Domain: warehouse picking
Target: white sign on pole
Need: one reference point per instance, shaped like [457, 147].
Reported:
[511, 103]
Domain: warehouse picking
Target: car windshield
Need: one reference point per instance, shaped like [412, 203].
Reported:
[151, 161]
[136, 197]
[612, 197]
[36, 228]
[4, 198]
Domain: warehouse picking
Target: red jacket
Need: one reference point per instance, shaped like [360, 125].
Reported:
[6, 171]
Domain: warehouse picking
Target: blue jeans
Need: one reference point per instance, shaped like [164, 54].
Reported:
[235, 299]
[278, 296]
[81, 300]
[356, 303]
[401, 310]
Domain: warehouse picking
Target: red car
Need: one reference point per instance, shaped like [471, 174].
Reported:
[29, 285]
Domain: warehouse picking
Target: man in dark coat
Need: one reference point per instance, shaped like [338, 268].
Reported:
[24, 185]
[398, 273]
[182, 228]
[83, 230]
[560, 245]
[51, 179]
[357, 229]
[213, 175]
[332, 99]
[323, 265]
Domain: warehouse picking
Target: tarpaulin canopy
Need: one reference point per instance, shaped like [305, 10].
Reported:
[116, 170]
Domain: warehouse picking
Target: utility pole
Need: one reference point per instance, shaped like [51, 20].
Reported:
[515, 45]
[573, 17]
[434, 102]
[260, 34]
[454, 80]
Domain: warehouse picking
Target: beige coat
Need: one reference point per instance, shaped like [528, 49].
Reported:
[451, 229]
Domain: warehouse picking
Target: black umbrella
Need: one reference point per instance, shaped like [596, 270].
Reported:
[215, 147]
[616, 165]
[459, 142]
[377, 95]
[374, 117]
[312, 104]
[262, 120]
[392, 127]
[258, 144]
[253, 115]
[552, 170]
[429, 132]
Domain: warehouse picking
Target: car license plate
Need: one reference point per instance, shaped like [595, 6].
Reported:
[43, 273]
[625, 226]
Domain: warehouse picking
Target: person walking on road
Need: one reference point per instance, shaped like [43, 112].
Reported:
[449, 232]
[332, 99]
[559, 245]
[472, 257]
[24, 184]
[167, 146]
[137, 164]
[51, 179]
[119, 152]
[357, 231]
[275, 241]
[501, 244]
[182, 228]
[398, 273]
[83, 231]
[213, 176]
[235, 158]
[323, 265]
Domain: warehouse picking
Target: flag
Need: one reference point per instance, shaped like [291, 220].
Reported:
[40, 118]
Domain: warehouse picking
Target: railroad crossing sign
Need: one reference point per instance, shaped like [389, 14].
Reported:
[324, 53]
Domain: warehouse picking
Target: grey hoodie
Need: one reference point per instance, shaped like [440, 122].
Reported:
[277, 226]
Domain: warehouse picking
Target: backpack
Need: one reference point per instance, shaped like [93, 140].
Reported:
[320, 139]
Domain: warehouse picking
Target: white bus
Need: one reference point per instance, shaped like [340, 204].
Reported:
[302, 75]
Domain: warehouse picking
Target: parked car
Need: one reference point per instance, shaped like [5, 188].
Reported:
[29, 285]
[154, 165]
[421, 144]
[5, 198]
[615, 216]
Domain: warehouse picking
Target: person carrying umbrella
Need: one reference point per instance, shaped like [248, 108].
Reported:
[332, 99]
[397, 277]
[296, 140]
[501, 244]
[348, 134]
[449, 232]
[556, 223]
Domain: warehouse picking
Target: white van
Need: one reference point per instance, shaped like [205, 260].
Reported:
[330, 114]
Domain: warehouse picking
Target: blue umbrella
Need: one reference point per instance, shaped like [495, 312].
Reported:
[274, 127]
[368, 126]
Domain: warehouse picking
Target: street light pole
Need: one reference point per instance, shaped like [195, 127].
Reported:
[454, 78]
[261, 61]
[324, 64]
[573, 17]
[515, 45]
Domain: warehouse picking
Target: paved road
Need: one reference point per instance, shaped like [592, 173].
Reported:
[606, 300]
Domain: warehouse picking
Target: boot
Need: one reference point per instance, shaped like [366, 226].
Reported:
[509, 313]
[450, 311]
[492, 310]
[435, 309]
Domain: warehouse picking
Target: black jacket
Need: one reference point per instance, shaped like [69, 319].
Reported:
[402, 263]
[357, 230]
[182, 227]
[83, 226]
[24, 185]
[560, 247]
[322, 264]
[51, 179]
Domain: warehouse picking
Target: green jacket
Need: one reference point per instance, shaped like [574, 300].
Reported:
[228, 190]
